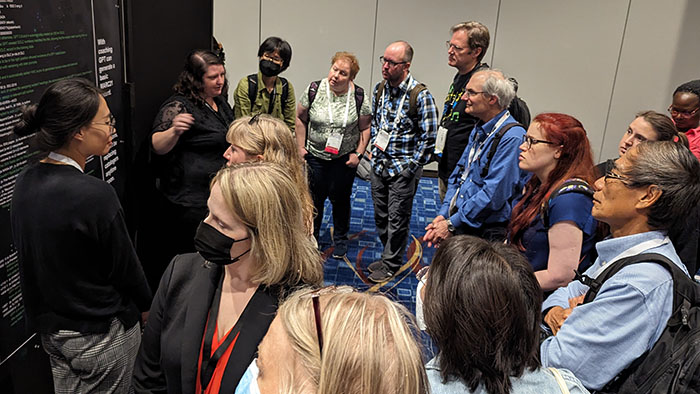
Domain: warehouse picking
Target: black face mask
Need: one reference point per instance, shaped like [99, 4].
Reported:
[269, 69]
[215, 247]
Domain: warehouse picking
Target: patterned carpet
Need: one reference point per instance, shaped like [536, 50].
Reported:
[364, 246]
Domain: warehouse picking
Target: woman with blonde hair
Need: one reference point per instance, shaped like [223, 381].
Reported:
[213, 307]
[335, 340]
[263, 137]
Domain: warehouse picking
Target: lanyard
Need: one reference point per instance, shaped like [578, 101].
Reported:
[65, 160]
[474, 153]
[633, 251]
[397, 118]
[209, 360]
[347, 105]
[216, 114]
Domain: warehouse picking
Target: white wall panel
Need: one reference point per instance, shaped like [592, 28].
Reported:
[643, 80]
[426, 26]
[236, 26]
[564, 55]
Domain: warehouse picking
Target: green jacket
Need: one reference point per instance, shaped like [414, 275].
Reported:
[242, 105]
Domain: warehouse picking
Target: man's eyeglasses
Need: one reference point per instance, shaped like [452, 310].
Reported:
[450, 45]
[470, 93]
[390, 62]
[609, 174]
[112, 122]
[532, 141]
[682, 114]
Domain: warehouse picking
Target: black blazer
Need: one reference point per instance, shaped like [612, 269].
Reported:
[167, 359]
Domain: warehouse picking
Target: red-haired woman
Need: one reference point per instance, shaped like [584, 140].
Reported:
[552, 223]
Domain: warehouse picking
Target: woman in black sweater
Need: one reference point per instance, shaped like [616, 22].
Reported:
[83, 286]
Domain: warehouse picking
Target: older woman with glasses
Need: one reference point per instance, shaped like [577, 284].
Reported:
[650, 189]
[482, 309]
[335, 340]
[333, 119]
[213, 307]
[83, 287]
[266, 92]
[552, 223]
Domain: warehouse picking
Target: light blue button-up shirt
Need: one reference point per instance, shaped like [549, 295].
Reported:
[602, 338]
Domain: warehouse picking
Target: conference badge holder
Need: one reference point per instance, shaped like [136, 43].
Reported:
[381, 140]
[333, 143]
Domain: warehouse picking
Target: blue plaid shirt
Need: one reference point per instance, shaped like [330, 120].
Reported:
[409, 146]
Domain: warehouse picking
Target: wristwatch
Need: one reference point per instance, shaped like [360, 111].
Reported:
[359, 155]
[450, 226]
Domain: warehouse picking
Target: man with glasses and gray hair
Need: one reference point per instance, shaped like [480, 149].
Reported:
[481, 189]
[465, 52]
[653, 187]
[404, 122]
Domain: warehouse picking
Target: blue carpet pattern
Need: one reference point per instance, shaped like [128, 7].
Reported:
[364, 245]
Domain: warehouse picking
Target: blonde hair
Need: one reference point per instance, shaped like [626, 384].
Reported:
[351, 59]
[264, 198]
[270, 137]
[369, 346]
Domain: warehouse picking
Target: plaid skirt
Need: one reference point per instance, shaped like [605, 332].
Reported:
[93, 363]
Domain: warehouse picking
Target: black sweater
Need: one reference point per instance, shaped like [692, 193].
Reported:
[78, 267]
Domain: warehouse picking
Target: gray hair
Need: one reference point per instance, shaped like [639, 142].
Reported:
[496, 84]
[478, 35]
[675, 170]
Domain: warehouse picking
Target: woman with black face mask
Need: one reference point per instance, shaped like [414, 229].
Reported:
[265, 92]
[213, 307]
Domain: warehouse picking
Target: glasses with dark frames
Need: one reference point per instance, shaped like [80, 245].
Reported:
[254, 119]
[533, 141]
[390, 62]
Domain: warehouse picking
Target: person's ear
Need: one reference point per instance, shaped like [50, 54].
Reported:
[80, 134]
[557, 153]
[477, 52]
[650, 195]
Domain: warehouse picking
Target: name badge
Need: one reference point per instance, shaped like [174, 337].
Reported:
[381, 140]
[333, 143]
[440, 139]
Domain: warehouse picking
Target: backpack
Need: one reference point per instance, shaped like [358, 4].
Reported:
[518, 107]
[494, 145]
[573, 185]
[253, 92]
[359, 95]
[412, 99]
[673, 363]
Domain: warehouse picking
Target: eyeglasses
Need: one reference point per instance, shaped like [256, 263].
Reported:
[390, 62]
[609, 174]
[470, 93]
[532, 141]
[682, 114]
[112, 122]
[314, 295]
[275, 60]
[453, 46]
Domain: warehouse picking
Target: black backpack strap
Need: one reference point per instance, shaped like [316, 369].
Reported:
[573, 185]
[252, 89]
[682, 284]
[313, 89]
[494, 145]
[359, 96]
[285, 94]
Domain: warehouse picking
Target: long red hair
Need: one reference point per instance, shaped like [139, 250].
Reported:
[575, 161]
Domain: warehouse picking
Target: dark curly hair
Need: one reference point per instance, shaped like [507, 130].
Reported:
[190, 83]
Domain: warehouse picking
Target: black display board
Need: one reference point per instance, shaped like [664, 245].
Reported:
[41, 42]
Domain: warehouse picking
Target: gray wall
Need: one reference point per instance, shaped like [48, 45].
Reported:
[598, 60]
